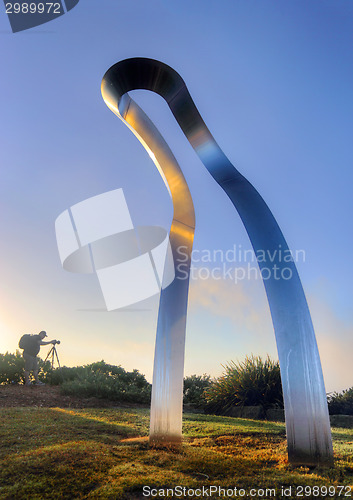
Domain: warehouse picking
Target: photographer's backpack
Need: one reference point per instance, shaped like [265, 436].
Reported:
[25, 341]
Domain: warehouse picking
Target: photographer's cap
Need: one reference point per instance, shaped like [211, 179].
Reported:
[43, 333]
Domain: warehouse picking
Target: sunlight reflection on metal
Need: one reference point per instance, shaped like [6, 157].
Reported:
[167, 387]
[307, 421]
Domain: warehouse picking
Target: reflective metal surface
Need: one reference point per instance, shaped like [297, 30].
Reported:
[167, 386]
[307, 420]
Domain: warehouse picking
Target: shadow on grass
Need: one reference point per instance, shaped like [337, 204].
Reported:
[63, 453]
[23, 429]
[93, 453]
[213, 425]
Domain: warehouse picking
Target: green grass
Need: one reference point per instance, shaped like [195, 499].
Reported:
[104, 453]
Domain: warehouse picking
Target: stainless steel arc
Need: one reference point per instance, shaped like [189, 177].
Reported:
[307, 420]
[167, 386]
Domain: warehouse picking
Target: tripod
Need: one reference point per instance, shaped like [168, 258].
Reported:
[52, 354]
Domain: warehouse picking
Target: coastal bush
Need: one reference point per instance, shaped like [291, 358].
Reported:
[252, 382]
[103, 380]
[341, 403]
[12, 368]
[194, 390]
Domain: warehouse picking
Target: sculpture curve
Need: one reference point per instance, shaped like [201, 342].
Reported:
[307, 420]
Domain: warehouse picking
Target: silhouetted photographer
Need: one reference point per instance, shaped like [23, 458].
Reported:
[31, 346]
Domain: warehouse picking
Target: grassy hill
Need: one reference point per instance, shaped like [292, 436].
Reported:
[63, 453]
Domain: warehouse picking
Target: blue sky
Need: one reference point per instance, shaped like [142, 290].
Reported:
[273, 82]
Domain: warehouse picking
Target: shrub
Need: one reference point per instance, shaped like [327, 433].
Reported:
[12, 368]
[65, 374]
[253, 382]
[341, 403]
[104, 381]
[194, 390]
[98, 379]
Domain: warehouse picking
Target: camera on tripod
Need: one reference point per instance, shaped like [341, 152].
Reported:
[53, 355]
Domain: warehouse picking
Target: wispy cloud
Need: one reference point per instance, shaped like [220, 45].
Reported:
[247, 327]
[335, 341]
[226, 321]
[243, 303]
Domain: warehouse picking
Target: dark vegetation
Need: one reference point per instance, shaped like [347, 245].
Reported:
[341, 403]
[252, 382]
[12, 366]
[95, 380]
[103, 381]
[194, 390]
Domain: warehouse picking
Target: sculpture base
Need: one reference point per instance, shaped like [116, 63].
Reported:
[165, 441]
[298, 459]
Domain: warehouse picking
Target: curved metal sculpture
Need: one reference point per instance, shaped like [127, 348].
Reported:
[307, 421]
[168, 371]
